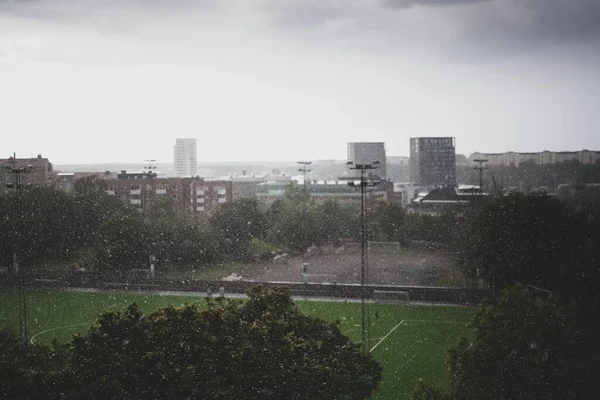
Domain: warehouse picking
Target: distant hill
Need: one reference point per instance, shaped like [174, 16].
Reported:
[320, 169]
[106, 167]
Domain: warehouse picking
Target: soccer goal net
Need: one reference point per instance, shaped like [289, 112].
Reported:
[140, 273]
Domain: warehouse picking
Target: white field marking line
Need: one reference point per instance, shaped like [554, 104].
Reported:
[351, 329]
[436, 321]
[360, 341]
[388, 334]
[56, 328]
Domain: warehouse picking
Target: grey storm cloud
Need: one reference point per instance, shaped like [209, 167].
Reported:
[538, 21]
[491, 25]
[409, 3]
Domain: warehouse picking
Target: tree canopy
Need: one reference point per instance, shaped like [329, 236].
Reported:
[524, 347]
[260, 348]
[521, 238]
[535, 239]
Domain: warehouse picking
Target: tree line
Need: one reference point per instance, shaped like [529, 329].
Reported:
[539, 339]
[96, 231]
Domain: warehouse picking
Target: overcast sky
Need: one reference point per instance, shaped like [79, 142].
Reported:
[118, 80]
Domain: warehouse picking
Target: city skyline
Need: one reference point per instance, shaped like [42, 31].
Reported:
[102, 82]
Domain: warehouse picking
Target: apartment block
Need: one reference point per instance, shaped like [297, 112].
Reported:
[514, 159]
[194, 195]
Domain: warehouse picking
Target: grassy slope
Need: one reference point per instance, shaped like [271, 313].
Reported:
[415, 349]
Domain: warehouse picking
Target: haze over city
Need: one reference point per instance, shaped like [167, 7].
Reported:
[108, 81]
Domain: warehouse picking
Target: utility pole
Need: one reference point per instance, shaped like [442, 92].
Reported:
[364, 277]
[17, 185]
[480, 167]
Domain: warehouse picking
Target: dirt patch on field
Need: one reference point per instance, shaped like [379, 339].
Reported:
[414, 267]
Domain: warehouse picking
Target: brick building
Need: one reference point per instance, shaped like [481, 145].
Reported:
[38, 171]
[198, 196]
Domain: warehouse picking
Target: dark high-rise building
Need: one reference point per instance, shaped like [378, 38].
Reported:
[432, 161]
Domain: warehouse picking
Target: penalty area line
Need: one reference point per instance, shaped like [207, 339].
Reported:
[388, 334]
[57, 328]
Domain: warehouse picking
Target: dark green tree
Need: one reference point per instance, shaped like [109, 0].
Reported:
[91, 186]
[261, 348]
[522, 238]
[294, 220]
[335, 222]
[390, 218]
[127, 241]
[535, 239]
[42, 223]
[236, 224]
[162, 208]
[31, 371]
[525, 347]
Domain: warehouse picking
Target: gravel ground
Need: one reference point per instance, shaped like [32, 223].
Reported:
[412, 267]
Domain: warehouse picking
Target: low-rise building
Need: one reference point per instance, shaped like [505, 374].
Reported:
[540, 158]
[438, 200]
[36, 172]
[404, 192]
[321, 191]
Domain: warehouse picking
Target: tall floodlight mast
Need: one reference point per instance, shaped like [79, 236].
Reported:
[363, 183]
[19, 269]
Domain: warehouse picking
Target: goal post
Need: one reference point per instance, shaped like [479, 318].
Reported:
[383, 246]
[374, 247]
[137, 273]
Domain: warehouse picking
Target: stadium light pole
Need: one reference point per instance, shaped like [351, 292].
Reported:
[304, 169]
[17, 185]
[480, 167]
[149, 166]
[363, 183]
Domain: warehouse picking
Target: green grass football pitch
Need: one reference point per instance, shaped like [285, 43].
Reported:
[410, 341]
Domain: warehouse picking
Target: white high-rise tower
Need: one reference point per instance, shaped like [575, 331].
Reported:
[185, 158]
